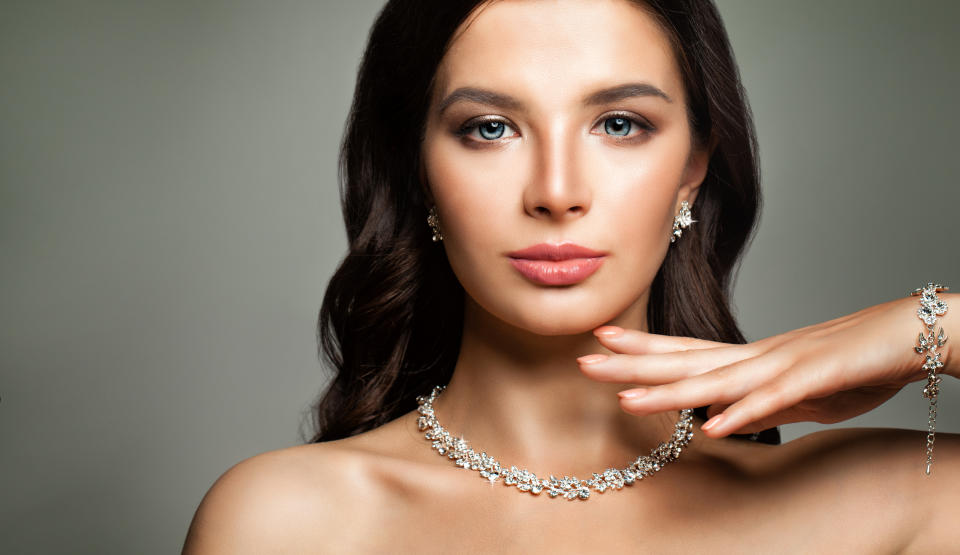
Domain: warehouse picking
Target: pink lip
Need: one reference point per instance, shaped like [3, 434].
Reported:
[555, 251]
[556, 264]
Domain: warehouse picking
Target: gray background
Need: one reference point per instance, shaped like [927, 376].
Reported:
[169, 219]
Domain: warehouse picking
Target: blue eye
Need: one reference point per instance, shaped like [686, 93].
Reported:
[626, 127]
[617, 126]
[491, 129]
[488, 130]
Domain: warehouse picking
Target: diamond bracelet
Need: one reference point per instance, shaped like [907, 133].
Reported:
[931, 306]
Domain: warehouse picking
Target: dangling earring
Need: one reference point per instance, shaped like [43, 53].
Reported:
[681, 221]
[434, 223]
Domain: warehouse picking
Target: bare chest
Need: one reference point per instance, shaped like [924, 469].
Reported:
[694, 512]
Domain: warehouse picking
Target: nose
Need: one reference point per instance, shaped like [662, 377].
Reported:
[556, 191]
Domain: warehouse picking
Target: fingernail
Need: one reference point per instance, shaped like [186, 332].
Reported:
[608, 331]
[590, 359]
[632, 393]
[712, 422]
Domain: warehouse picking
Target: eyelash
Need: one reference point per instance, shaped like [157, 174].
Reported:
[473, 124]
[645, 127]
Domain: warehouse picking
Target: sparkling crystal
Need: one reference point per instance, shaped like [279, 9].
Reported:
[930, 308]
[570, 487]
[933, 363]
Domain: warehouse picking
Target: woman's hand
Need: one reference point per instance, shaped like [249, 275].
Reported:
[824, 373]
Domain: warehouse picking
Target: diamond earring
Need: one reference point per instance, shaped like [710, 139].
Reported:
[681, 221]
[434, 221]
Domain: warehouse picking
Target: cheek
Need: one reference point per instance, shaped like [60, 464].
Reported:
[634, 206]
[638, 221]
[636, 194]
[478, 194]
[475, 198]
[640, 211]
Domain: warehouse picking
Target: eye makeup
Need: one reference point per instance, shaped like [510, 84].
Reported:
[497, 126]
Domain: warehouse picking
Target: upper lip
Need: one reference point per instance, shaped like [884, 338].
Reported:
[555, 251]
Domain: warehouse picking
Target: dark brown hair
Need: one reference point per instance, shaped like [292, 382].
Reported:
[391, 321]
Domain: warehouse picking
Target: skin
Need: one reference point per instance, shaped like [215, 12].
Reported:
[519, 392]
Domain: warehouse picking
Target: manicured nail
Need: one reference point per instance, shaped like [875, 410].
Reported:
[632, 393]
[590, 359]
[712, 422]
[608, 331]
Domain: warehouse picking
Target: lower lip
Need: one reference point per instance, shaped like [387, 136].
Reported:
[557, 272]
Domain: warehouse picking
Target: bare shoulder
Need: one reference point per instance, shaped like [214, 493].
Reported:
[887, 466]
[288, 500]
[894, 453]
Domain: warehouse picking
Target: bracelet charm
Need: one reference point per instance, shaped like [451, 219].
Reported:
[931, 307]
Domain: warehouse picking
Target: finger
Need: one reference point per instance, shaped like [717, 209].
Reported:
[636, 342]
[716, 409]
[657, 369]
[778, 419]
[727, 384]
[775, 396]
[772, 421]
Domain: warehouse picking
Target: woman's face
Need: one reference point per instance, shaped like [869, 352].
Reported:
[556, 122]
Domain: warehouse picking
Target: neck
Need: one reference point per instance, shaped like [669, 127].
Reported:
[521, 398]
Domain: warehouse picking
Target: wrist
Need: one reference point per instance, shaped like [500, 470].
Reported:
[935, 345]
[950, 323]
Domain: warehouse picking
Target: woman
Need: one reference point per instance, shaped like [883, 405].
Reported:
[545, 202]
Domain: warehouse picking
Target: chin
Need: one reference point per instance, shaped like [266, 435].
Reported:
[557, 318]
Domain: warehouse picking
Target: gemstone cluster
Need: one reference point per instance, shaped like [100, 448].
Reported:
[931, 306]
[458, 450]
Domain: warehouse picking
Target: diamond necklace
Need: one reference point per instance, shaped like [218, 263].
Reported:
[460, 452]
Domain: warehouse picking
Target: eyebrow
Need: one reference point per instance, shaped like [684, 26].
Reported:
[507, 102]
[480, 96]
[621, 92]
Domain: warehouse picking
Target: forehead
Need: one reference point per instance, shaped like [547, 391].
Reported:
[558, 48]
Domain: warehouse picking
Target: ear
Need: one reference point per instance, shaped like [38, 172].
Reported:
[696, 171]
